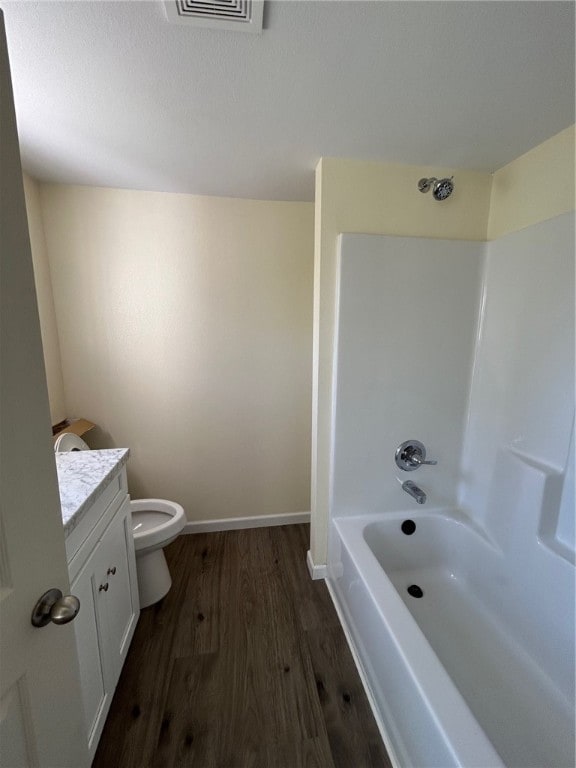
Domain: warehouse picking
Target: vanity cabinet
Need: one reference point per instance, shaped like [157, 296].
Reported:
[103, 577]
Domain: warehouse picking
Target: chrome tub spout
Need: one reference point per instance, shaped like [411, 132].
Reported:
[413, 490]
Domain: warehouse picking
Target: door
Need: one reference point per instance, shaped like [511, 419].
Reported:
[41, 718]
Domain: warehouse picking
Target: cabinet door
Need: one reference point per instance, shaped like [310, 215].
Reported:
[120, 602]
[91, 644]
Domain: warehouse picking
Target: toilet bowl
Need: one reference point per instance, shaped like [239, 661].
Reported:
[155, 523]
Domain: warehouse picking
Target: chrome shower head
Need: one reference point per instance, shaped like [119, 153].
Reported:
[441, 188]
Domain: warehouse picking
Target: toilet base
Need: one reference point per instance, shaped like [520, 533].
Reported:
[154, 578]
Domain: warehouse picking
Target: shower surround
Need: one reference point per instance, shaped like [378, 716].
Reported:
[469, 348]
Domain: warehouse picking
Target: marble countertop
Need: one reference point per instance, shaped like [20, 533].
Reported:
[82, 477]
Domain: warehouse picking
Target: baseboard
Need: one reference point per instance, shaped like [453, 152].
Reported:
[315, 571]
[364, 678]
[237, 523]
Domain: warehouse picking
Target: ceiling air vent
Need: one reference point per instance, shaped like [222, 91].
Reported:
[239, 15]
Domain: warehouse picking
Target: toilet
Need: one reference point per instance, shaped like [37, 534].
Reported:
[155, 524]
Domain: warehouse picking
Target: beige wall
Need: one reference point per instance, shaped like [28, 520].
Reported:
[42, 279]
[140, 279]
[536, 186]
[185, 332]
[376, 198]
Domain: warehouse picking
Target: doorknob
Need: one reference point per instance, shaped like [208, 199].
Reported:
[53, 607]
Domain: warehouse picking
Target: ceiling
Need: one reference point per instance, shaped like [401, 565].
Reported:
[111, 94]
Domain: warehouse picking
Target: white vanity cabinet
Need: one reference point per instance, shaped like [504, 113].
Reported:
[102, 571]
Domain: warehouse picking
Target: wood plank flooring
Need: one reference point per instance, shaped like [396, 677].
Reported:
[242, 665]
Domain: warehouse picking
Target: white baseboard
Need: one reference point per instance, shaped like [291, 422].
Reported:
[237, 523]
[315, 571]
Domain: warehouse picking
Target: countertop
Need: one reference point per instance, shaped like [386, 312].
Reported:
[82, 477]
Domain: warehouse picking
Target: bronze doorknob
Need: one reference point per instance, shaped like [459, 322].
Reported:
[56, 608]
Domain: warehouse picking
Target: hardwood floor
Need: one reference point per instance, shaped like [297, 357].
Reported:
[242, 665]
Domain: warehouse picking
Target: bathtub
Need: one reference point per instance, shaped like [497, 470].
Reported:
[479, 670]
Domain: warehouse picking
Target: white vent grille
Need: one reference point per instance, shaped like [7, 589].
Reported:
[239, 15]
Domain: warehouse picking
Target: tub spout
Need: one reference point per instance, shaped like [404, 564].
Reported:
[412, 489]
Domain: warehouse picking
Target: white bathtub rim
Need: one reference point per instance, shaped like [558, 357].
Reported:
[464, 736]
[456, 515]
[364, 677]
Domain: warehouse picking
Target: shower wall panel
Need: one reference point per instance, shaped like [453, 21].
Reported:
[522, 399]
[406, 329]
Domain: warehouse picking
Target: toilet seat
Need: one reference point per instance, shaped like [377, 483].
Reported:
[155, 522]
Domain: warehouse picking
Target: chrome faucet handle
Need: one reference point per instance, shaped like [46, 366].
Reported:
[419, 460]
[410, 455]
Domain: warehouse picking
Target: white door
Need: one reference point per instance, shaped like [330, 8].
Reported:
[41, 717]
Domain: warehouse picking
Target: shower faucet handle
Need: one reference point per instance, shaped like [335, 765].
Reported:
[414, 456]
[410, 455]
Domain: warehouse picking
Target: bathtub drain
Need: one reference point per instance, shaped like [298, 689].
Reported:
[408, 527]
[415, 591]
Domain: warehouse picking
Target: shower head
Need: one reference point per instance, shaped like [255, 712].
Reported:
[441, 188]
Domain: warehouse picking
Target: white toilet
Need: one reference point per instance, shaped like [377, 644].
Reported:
[155, 524]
